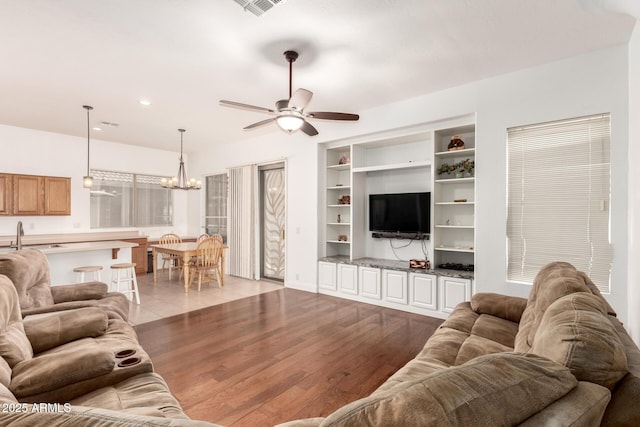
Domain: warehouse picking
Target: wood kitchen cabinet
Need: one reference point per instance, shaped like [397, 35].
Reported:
[5, 194]
[57, 195]
[30, 195]
[139, 254]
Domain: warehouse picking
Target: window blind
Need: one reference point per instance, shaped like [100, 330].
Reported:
[558, 198]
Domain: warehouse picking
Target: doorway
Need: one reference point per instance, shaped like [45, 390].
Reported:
[272, 221]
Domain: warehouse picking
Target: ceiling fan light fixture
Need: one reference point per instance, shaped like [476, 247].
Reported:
[289, 122]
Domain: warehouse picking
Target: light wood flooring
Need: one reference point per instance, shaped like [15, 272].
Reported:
[167, 297]
[280, 355]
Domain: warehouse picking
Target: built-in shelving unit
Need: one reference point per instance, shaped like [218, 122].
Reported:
[454, 198]
[399, 161]
[338, 212]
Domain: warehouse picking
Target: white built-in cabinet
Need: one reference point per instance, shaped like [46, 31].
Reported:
[404, 160]
[370, 282]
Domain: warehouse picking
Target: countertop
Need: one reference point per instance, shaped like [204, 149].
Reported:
[397, 265]
[49, 239]
[60, 248]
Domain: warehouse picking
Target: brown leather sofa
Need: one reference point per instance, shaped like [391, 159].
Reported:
[28, 269]
[77, 367]
[558, 358]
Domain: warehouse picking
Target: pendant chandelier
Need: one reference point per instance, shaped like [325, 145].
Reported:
[87, 181]
[181, 182]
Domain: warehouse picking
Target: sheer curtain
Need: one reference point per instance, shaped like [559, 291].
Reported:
[241, 222]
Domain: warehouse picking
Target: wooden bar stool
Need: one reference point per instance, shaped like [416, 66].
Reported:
[95, 269]
[125, 274]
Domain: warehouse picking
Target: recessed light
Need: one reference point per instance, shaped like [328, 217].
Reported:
[96, 128]
[144, 102]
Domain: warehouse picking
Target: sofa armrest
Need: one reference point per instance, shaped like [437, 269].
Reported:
[79, 292]
[582, 406]
[65, 326]
[53, 371]
[503, 306]
[70, 415]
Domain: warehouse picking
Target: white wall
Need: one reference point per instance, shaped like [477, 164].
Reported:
[587, 84]
[633, 322]
[32, 152]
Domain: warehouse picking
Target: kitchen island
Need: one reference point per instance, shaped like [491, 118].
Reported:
[68, 251]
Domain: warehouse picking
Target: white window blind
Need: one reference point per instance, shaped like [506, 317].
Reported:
[558, 198]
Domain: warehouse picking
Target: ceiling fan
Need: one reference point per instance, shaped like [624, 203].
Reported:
[289, 113]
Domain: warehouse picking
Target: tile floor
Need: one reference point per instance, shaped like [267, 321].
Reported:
[167, 297]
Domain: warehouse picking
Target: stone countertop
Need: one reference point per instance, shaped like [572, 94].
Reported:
[397, 265]
[59, 248]
[50, 239]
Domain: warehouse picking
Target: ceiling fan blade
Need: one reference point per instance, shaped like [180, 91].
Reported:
[260, 123]
[327, 115]
[300, 99]
[245, 106]
[308, 129]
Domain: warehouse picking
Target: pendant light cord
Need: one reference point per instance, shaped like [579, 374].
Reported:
[88, 108]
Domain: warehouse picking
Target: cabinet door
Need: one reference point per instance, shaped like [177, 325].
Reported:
[453, 291]
[394, 285]
[28, 197]
[57, 196]
[5, 194]
[369, 280]
[139, 254]
[423, 290]
[327, 276]
[348, 279]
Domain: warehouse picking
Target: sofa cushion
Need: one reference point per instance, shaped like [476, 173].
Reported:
[552, 282]
[53, 371]
[582, 406]
[497, 389]
[62, 327]
[14, 345]
[29, 271]
[145, 394]
[575, 331]
[502, 306]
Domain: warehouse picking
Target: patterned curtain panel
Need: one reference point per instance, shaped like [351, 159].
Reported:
[241, 222]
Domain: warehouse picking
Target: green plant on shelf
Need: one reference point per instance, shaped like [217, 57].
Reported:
[461, 167]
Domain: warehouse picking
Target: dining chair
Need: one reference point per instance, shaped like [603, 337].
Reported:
[173, 261]
[202, 237]
[207, 261]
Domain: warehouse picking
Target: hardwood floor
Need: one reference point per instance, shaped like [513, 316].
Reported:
[281, 355]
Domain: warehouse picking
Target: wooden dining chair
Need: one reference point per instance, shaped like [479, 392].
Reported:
[202, 237]
[173, 261]
[207, 262]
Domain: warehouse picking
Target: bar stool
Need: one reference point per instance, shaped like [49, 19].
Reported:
[125, 274]
[95, 269]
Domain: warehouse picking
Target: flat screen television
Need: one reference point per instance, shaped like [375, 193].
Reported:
[400, 213]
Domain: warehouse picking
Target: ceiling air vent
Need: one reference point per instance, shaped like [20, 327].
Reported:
[258, 7]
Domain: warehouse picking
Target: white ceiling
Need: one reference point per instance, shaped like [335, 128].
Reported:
[186, 55]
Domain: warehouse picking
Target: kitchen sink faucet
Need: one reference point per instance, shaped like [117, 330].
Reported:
[19, 234]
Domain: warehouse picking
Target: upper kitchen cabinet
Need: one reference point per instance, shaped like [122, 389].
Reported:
[28, 195]
[32, 195]
[57, 196]
[5, 194]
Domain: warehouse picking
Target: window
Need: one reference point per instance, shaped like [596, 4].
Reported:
[216, 208]
[558, 198]
[129, 200]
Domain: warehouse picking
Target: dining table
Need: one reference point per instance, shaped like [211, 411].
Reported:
[185, 250]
